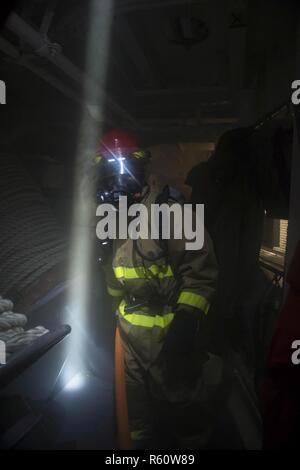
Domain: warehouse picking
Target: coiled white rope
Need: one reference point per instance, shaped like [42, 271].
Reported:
[26, 254]
[12, 330]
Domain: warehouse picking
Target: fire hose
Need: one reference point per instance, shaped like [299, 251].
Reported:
[120, 395]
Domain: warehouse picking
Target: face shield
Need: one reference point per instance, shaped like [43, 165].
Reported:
[122, 174]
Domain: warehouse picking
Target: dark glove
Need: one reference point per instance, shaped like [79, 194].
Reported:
[103, 251]
[181, 336]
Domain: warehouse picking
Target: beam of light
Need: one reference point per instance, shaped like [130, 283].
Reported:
[98, 42]
[114, 159]
[122, 170]
[76, 383]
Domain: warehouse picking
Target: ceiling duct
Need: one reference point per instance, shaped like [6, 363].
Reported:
[187, 31]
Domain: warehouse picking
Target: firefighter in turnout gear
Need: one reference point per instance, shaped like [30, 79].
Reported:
[162, 294]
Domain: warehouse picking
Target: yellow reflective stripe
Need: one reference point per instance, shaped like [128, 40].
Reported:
[139, 154]
[115, 292]
[139, 272]
[137, 435]
[98, 158]
[147, 321]
[128, 273]
[194, 300]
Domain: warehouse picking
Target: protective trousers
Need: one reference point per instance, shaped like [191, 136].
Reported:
[171, 404]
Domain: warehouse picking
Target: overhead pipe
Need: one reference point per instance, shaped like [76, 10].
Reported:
[51, 52]
[180, 91]
[48, 17]
[151, 5]
[12, 51]
[42, 47]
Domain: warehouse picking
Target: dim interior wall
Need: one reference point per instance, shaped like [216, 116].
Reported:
[171, 163]
[271, 52]
[294, 216]
[294, 220]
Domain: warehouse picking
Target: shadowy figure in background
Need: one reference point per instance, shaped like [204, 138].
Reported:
[246, 175]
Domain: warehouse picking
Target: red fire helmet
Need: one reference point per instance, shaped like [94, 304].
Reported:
[117, 141]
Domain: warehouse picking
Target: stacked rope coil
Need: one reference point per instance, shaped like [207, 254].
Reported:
[31, 241]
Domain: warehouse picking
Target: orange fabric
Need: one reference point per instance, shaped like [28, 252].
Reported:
[281, 387]
[120, 396]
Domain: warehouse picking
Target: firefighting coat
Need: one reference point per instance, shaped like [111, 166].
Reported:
[151, 280]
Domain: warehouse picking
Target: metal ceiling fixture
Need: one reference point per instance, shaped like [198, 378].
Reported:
[187, 29]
